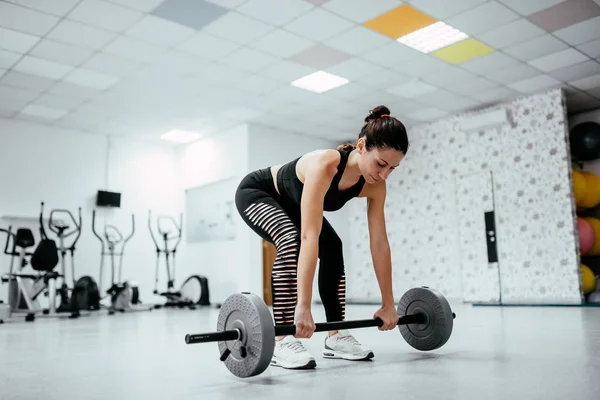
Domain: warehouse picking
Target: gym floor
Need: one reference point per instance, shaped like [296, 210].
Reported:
[497, 353]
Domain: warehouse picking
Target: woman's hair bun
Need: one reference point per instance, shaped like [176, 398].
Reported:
[377, 112]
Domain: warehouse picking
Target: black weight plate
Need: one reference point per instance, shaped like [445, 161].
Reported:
[436, 331]
[248, 313]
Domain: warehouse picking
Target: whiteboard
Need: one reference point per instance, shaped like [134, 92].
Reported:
[210, 211]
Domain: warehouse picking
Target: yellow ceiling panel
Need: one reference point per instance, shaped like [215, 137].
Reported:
[462, 51]
[400, 21]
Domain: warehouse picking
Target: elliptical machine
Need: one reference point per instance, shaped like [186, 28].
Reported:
[124, 296]
[84, 295]
[194, 290]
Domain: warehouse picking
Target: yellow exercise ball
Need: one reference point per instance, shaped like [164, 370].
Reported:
[591, 198]
[579, 187]
[588, 279]
[595, 223]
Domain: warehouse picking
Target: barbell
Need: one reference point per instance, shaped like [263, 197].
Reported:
[246, 333]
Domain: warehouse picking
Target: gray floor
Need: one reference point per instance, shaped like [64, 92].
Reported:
[499, 353]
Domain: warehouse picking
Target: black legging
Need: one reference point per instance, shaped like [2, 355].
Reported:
[262, 208]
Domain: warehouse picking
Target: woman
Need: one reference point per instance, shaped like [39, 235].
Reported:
[285, 204]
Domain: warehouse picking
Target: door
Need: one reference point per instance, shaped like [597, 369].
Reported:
[269, 253]
[478, 251]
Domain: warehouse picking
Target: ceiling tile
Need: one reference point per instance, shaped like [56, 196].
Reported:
[2, 72]
[102, 14]
[60, 102]
[565, 14]
[384, 79]
[445, 100]
[588, 83]
[93, 79]
[450, 75]
[391, 54]
[18, 94]
[8, 104]
[561, 59]
[8, 58]
[81, 35]
[577, 71]
[354, 68]
[471, 87]
[535, 48]
[319, 25]
[513, 73]
[489, 63]
[25, 20]
[16, 42]
[483, 18]
[249, 59]
[579, 101]
[134, 49]
[140, 5]
[275, 12]
[412, 89]
[358, 40]
[55, 7]
[26, 81]
[496, 95]
[317, 2]
[349, 91]
[286, 71]
[111, 65]
[257, 84]
[400, 21]
[535, 84]
[238, 28]
[159, 31]
[512, 33]
[463, 51]
[43, 111]
[5, 113]
[60, 52]
[207, 46]
[592, 48]
[445, 9]
[320, 56]
[71, 90]
[194, 14]
[361, 11]
[44, 68]
[427, 114]
[580, 33]
[281, 43]
[179, 63]
[423, 65]
[529, 7]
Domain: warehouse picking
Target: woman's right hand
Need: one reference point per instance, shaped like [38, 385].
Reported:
[305, 325]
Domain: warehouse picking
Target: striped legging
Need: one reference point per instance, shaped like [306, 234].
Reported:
[258, 206]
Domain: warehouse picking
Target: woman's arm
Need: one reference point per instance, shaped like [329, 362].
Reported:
[380, 247]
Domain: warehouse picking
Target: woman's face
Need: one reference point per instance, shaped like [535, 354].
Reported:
[377, 164]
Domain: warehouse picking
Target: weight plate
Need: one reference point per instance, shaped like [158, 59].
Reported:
[436, 331]
[248, 313]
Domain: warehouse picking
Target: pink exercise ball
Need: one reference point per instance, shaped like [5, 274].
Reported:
[587, 236]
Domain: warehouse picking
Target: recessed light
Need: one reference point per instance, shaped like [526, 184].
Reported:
[180, 136]
[320, 82]
[433, 37]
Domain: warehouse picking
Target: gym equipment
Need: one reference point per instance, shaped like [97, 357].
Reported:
[587, 236]
[588, 280]
[86, 296]
[591, 196]
[124, 296]
[584, 140]
[579, 187]
[595, 224]
[24, 289]
[246, 333]
[194, 290]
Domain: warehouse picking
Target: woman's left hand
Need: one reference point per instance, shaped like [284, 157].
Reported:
[389, 316]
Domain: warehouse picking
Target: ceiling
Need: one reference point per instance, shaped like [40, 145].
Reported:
[139, 68]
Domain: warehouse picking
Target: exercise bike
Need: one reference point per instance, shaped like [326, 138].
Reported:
[194, 290]
[124, 296]
[84, 294]
[24, 289]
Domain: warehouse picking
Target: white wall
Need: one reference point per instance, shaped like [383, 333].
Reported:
[65, 168]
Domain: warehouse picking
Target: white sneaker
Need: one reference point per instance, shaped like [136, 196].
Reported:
[344, 345]
[290, 353]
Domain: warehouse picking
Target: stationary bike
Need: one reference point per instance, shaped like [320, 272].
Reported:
[194, 290]
[124, 296]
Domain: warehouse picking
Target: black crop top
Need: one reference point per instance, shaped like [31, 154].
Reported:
[290, 187]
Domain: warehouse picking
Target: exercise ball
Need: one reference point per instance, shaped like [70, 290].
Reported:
[584, 141]
[595, 223]
[588, 280]
[587, 236]
[579, 187]
[594, 298]
[591, 197]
